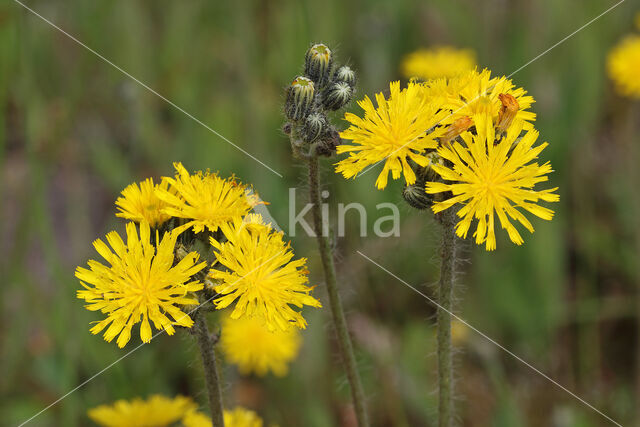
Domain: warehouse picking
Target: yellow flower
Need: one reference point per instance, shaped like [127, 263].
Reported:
[260, 276]
[140, 203]
[438, 62]
[239, 417]
[248, 343]
[157, 411]
[140, 282]
[205, 199]
[393, 133]
[473, 92]
[623, 66]
[492, 177]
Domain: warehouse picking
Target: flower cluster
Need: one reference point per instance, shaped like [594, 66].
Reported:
[465, 143]
[160, 411]
[156, 277]
[438, 62]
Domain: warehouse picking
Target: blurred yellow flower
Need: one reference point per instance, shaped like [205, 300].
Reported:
[438, 62]
[139, 202]
[476, 92]
[140, 282]
[394, 133]
[156, 411]
[490, 177]
[259, 275]
[238, 417]
[623, 66]
[205, 199]
[248, 343]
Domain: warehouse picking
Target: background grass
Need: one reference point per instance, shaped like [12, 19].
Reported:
[74, 131]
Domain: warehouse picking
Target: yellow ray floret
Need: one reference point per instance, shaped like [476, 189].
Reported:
[476, 92]
[393, 132]
[249, 344]
[156, 411]
[623, 66]
[260, 276]
[238, 417]
[443, 61]
[139, 202]
[140, 284]
[205, 199]
[488, 180]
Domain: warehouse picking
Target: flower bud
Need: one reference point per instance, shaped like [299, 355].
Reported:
[317, 64]
[508, 111]
[314, 126]
[336, 96]
[299, 99]
[347, 75]
[416, 195]
[327, 144]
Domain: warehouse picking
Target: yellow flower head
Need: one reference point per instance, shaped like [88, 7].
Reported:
[490, 177]
[156, 411]
[140, 282]
[260, 276]
[140, 202]
[392, 133]
[205, 199]
[248, 343]
[476, 92]
[438, 62]
[623, 65]
[238, 417]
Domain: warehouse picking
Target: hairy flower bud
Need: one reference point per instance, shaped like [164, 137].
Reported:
[327, 144]
[336, 96]
[317, 64]
[314, 126]
[347, 75]
[416, 196]
[299, 99]
[508, 111]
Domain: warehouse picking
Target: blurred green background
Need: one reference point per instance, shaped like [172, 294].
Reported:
[74, 131]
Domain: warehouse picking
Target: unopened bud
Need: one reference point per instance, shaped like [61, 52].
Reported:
[299, 99]
[337, 96]
[317, 64]
[508, 111]
[416, 195]
[456, 128]
[314, 126]
[347, 75]
[326, 146]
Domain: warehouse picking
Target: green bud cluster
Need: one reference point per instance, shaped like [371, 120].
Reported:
[310, 97]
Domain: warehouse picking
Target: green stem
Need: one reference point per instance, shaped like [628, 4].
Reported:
[206, 344]
[339, 321]
[445, 296]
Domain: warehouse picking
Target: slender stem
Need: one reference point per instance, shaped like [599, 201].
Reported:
[206, 344]
[445, 296]
[339, 322]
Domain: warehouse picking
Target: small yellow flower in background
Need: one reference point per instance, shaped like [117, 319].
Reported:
[489, 179]
[238, 417]
[260, 276]
[476, 92]
[623, 66]
[248, 343]
[140, 203]
[438, 62]
[205, 200]
[140, 282]
[156, 411]
[392, 133]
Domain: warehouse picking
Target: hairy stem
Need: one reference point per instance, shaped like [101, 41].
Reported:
[339, 322]
[445, 296]
[207, 351]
